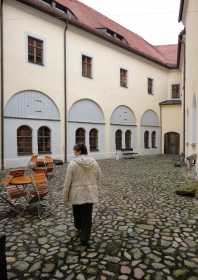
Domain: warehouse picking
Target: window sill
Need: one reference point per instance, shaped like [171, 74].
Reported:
[24, 155]
[87, 77]
[44, 153]
[37, 64]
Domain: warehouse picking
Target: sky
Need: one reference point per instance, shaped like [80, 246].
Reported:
[155, 20]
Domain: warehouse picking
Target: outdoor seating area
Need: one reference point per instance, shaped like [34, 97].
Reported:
[23, 188]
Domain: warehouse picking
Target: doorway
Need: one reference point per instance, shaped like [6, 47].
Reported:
[171, 143]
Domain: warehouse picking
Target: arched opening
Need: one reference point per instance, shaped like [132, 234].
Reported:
[80, 136]
[128, 139]
[24, 140]
[171, 143]
[154, 140]
[93, 140]
[44, 140]
[146, 140]
[118, 140]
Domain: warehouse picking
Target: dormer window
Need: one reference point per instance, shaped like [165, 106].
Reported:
[48, 1]
[112, 34]
[64, 9]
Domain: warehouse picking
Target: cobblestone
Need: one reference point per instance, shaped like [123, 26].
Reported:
[141, 229]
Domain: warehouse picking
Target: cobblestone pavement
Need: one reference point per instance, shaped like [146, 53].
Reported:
[141, 229]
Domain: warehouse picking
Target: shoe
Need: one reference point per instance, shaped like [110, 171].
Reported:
[84, 243]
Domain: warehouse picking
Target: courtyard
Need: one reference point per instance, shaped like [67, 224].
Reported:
[141, 229]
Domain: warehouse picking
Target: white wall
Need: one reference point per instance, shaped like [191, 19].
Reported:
[72, 127]
[19, 22]
[10, 137]
[104, 88]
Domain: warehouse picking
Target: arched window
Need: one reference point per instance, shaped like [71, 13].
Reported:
[93, 140]
[80, 136]
[153, 140]
[44, 140]
[128, 139]
[146, 139]
[118, 140]
[24, 140]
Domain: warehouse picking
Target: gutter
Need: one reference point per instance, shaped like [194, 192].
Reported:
[2, 85]
[65, 86]
[50, 10]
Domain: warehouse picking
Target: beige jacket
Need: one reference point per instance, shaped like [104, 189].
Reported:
[81, 181]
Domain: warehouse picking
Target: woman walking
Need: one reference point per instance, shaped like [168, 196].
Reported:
[81, 190]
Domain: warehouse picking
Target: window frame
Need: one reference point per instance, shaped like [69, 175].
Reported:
[27, 153]
[45, 137]
[41, 38]
[123, 81]
[150, 89]
[146, 147]
[179, 91]
[84, 131]
[155, 142]
[120, 148]
[126, 140]
[92, 150]
[84, 73]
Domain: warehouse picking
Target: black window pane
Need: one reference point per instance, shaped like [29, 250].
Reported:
[44, 140]
[24, 140]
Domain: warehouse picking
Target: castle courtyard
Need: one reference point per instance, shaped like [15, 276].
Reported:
[141, 228]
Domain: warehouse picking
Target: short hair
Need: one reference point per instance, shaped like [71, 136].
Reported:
[81, 148]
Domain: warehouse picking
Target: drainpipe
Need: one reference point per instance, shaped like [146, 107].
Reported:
[2, 86]
[65, 86]
[184, 100]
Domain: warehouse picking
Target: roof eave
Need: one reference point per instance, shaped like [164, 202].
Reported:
[181, 9]
[38, 5]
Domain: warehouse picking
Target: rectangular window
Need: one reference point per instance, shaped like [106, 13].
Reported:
[175, 91]
[123, 78]
[86, 66]
[150, 86]
[35, 50]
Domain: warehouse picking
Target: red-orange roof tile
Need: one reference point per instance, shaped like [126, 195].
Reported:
[93, 19]
[169, 52]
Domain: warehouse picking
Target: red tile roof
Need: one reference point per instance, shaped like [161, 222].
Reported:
[89, 20]
[169, 52]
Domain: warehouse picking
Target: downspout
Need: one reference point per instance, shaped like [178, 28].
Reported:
[65, 87]
[184, 99]
[2, 86]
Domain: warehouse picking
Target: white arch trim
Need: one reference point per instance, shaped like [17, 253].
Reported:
[86, 111]
[31, 104]
[149, 119]
[123, 115]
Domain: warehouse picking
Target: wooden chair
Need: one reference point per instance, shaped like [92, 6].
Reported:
[34, 159]
[49, 165]
[40, 192]
[13, 195]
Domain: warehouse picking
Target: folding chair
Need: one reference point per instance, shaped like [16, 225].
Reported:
[40, 193]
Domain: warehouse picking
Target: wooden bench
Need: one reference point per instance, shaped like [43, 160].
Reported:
[128, 153]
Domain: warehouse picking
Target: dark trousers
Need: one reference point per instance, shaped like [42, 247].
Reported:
[83, 220]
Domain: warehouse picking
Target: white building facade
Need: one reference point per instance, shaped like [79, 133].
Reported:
[66, 83]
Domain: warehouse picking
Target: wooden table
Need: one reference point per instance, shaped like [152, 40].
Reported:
[21, 180]
[43, 161]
